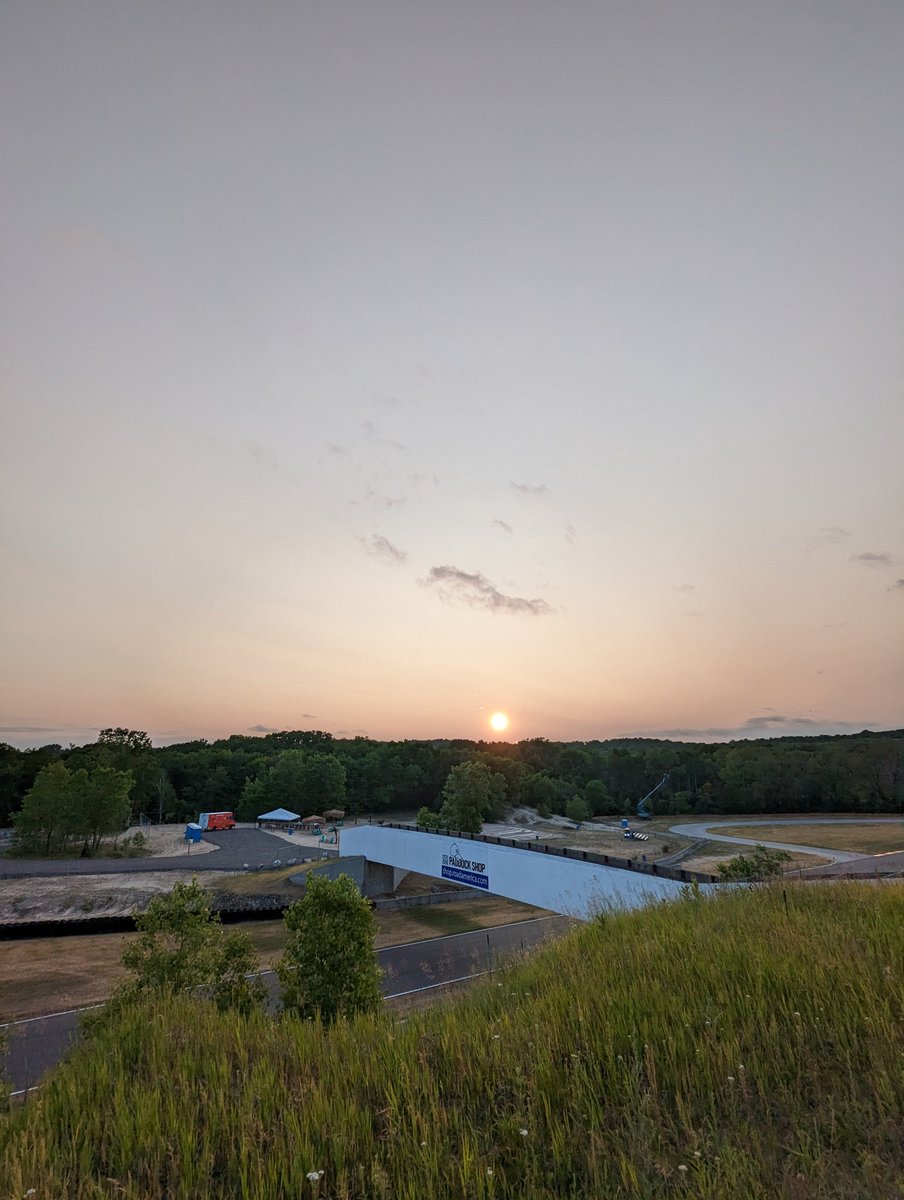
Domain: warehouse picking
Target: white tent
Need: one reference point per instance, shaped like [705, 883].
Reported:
[279, 814]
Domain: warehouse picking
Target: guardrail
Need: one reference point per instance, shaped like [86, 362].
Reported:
[588, 856]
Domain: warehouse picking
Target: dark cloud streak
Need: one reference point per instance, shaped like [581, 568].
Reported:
[870, 558]
[475, 590]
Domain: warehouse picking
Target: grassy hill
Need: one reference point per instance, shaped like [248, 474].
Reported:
[748, 1046]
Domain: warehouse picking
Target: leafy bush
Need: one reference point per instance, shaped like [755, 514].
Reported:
[760, 864]
[183, 947]
[329, 969]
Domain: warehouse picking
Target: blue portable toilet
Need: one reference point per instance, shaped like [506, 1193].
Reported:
[192, 832]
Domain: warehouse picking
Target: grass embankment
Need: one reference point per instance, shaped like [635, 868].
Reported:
[749, 1046]
[870, 839]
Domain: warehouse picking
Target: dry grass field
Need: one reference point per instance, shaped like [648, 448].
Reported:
[870, 839]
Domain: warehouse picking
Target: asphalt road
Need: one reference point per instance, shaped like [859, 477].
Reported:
[710, 829]
[37, 1044]
[237, 847]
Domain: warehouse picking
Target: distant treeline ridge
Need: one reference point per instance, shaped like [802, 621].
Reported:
[308, 771]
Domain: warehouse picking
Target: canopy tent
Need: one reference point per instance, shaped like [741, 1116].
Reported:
[315, 820]
[279, 814]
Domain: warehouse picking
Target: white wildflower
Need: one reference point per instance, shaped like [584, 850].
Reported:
[314, 1176]
[523, 1132]
[682, 1167]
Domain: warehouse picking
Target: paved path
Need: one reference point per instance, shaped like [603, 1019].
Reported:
[710, 829]
[37, 1044]
[237, 847]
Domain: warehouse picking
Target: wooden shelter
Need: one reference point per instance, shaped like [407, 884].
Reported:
[313, 822]
[334, 814]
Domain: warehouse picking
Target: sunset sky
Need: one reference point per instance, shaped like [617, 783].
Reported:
[375, 367]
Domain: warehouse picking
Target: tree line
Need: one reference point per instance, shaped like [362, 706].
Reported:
[308, 771]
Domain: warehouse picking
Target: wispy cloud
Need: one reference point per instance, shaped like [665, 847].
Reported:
[337, 451]
[570, 534]
[372, 433]
[686, 589]
[380, 547]
[384, 499]
[262, 729]
[828, 535]
[530, 489]
[897, 586]
[774, 725]
[474, 589]
[503, 525]
[871, 558]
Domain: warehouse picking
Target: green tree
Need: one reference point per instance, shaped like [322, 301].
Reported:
[760, 864]
[182, 946]
[471, 794]
[102, 803]
[598, 799]
[299, 780]
[577, 809]
[128, 741]
[63, 805]
[129, 750]
[45, 819]
[328, 969]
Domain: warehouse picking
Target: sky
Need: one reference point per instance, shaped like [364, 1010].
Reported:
[375, 367]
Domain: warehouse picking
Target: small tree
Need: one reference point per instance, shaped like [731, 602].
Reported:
[328, 969]
[428, 819]
[761, 864]
[182, 946]
[471, 794]
[577, 809]
[45, 817]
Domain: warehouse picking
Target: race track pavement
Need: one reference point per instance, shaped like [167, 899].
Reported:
[37, 1044]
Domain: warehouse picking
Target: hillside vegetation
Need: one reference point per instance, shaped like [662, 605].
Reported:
[749, 1045]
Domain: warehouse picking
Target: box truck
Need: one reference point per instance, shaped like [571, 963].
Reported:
[217, 820]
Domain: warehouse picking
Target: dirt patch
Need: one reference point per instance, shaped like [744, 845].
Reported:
[73, 897]
[168, 841]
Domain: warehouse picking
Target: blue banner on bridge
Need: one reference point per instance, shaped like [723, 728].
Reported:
[471, 877]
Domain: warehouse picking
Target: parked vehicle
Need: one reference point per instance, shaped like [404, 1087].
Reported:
[216, 820]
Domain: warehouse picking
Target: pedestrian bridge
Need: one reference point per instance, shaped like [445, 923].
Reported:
[578, 883]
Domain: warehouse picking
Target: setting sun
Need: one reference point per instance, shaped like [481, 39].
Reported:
[499, 721]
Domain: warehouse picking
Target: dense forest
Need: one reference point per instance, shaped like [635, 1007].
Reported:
[307, 771]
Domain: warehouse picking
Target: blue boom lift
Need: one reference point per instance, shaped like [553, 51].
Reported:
[643, 812]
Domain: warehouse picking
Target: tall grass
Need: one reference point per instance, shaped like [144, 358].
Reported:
[748, 1046]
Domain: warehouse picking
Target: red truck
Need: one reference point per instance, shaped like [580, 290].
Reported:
[217, 820]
